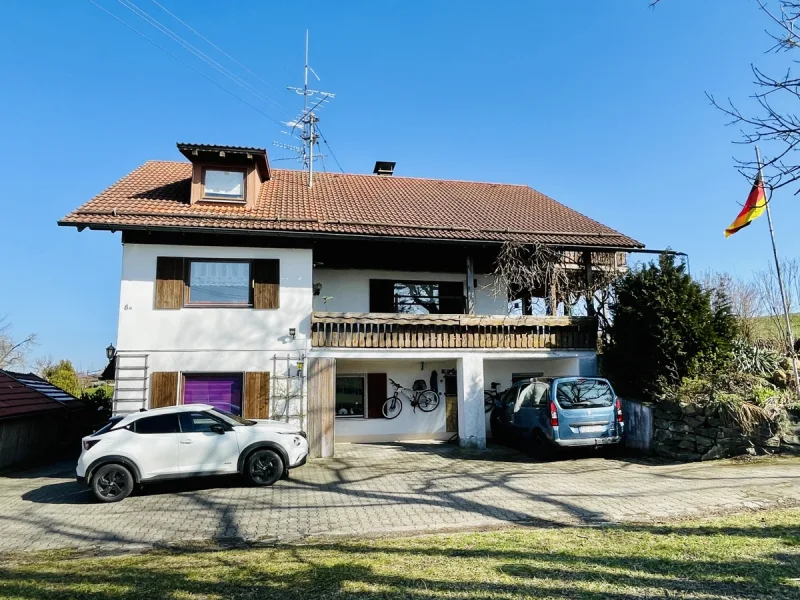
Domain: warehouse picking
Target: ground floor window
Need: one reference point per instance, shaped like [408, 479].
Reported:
[515, 377]
[350, 395]
[223, 391]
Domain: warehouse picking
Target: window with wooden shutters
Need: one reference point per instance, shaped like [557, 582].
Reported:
[451, 298]
[376, 394]
[163, 389]
[416, 297]
[256, 395]
[266, 283]
[381, 295]
[169, 282]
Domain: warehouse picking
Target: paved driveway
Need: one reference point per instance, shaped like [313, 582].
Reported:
[385, 488]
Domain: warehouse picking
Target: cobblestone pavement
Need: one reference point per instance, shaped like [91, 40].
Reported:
[382, 489]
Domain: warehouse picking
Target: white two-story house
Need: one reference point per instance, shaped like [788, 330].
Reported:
[244, 287]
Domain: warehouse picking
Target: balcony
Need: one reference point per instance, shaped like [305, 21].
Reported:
[390, 330]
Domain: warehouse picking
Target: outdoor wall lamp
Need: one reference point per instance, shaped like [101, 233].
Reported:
[111, 352]
[317, 287]
[292, 332]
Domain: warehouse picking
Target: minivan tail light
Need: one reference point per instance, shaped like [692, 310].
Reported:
[618, 404]
[87, 444]
[553, 414]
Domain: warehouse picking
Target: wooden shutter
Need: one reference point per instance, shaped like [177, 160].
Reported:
[163, 389]
[169, 282]
[266, 283]
[376, 395]
[321, 406]
[381, 295]
[256, 395]
[451, 294]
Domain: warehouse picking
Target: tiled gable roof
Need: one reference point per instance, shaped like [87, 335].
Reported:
[157, 195]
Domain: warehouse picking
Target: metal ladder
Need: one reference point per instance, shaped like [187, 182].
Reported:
[130, 391]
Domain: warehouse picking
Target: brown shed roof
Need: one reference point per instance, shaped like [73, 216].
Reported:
[23, 394]
[156, 195]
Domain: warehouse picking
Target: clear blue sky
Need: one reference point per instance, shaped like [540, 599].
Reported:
[598, 104]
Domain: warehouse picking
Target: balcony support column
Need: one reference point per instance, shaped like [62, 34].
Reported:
[587, 264]
[471, 414]
[470, 286]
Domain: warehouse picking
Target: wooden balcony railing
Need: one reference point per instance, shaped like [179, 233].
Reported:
[388, 330]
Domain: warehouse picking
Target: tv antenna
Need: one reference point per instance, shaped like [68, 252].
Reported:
[303, 127]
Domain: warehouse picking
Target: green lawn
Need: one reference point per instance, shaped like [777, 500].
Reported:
[766, 327]
[755, 555]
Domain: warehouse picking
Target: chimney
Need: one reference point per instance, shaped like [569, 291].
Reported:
[384, 168]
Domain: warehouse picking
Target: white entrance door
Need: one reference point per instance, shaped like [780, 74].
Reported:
[203, 450]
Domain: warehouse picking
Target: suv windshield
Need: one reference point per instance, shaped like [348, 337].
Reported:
[230, 418]
[584, 393]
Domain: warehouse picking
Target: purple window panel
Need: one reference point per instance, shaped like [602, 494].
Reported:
[220, 391]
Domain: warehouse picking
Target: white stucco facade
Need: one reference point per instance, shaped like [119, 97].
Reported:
[347, 290]
[210, 339]
[239, 340]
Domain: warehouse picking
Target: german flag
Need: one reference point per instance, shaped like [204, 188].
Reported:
[755, 205]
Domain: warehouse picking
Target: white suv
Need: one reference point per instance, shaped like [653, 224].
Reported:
[185, 441]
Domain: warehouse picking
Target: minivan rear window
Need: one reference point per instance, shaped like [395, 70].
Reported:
[584, 393]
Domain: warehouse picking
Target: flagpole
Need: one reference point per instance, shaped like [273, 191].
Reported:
[789, 333]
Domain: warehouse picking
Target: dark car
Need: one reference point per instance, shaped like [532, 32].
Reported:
[551, 412]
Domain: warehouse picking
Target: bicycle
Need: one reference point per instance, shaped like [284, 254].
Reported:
[490, 397]
[426, 400]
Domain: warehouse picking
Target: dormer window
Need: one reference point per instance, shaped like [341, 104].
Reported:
[231, 174]
[220, 184]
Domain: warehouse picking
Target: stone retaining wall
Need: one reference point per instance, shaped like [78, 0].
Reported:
[689, 432]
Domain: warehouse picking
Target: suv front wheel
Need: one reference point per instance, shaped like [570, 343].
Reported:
[264, 467]
[112, 483]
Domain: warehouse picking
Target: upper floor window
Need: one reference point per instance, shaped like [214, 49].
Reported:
[206, 282]
[224, 185]
[219, 282]
[417, 297]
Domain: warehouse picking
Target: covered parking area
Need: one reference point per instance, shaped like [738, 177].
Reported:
[347, 389]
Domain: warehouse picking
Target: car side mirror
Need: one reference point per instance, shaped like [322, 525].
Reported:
[217, 428]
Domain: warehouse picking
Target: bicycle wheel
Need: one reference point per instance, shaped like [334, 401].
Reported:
[488, 401]
[428, 401]
[392, 407]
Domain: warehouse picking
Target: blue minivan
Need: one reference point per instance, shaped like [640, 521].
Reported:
[549, 412]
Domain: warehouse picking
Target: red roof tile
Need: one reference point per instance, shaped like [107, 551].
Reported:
[157, 195]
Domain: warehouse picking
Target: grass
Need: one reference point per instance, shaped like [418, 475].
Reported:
[747, 556]
[765, 327]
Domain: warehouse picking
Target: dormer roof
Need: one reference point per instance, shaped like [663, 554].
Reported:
[234, 156]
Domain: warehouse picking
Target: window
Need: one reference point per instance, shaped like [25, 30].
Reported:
[157, 424]
[350, 395]
[220, 391]
[515, 377]
[536, 394]
[219, 282]
[198, 422]
[417, 297]
[224, 185]
[584, 393]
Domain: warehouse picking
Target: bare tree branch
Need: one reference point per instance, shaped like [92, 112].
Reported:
[772, 123]
[13, 352]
